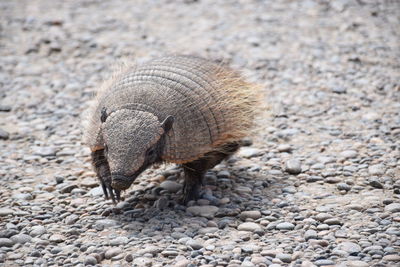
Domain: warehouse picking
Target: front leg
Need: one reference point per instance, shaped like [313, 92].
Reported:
[194, 173]
[102, 169]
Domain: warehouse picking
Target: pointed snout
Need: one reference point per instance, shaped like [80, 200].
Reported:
[121, 182]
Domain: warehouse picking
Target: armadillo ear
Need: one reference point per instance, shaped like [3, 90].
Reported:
[104, 115]
[167, 123]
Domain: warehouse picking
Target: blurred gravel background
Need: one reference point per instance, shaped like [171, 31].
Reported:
[319, 186]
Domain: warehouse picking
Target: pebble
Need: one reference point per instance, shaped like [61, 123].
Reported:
[112, 252]
[392, 208]
[4, 135]
[352, 248]
[284, 257]
[194, 244]
[324, 262]
[6, 242]
[349, 154]
[310, 234]
[90, 260]
[5, 212]
[356, 263]
[71, 219]
[391, 257]
[121, 240]
[293, 166]
[249, 152]
[378, 169]
[171, 186]
[142, 261]
[343, 186]
[250, 227]
[252, 214]
[57, 238]
[285, 226]
[21, 238]
[203, 211]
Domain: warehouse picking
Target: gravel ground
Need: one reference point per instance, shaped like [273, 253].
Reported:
[319, 186]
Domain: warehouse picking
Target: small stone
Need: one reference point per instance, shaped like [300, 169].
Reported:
[223, 174]
[249, 152]
[171, 186]
[121, 240]
[324, 262]
[203, 211]
[142, 261]
[105, 224]
[5, 108]
[343, 186]
[250, 227]
[21, 238]
[377, 169]
[90, 260]
[37, 230]
[375, 183]
[253, 214]
[310, 234]
[182, 263]
[352, 248]
[392, 208]
[151, 249]
[23, 196]
[333, 221]
[44, 151]
[112, 252]
[285, 226]
[338, 89]
[349, 154]
[4, 135]
[356, 264]
[284, 148]
[129, 257]
[284, 257]
[169, 253]
[71, 219]
[293, 166]
[161, 203]
[57, 238]
[6, 211]
[194, 244]
[89, 182]
[323, 216]
[391, 257]
[68, 188]
[6, 242]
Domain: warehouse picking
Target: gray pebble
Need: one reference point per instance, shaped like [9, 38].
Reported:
[293, 166]
[90, 260]
[21, 238]
[6, 242]
[285, 226]
[4, 135]
[350, 247]
[324, 262]
[5, 212]
[194, 244]
[392, 208]
[343, 186]
[37, 230]
[249, 226]
[203, 211]
[284, 257]
[112, 252]
[171, 186]
[253, 214]
[310, 234]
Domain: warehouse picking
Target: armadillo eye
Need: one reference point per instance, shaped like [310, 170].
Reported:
[103, 116]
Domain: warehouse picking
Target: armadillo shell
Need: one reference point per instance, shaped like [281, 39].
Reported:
[211, 104]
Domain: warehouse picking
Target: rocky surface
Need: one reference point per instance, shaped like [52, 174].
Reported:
[319, 186]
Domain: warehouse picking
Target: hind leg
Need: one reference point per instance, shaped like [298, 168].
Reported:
[195, 170]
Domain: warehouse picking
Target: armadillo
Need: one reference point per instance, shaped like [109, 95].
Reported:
[179, 109]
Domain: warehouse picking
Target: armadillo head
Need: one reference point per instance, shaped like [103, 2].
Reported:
[133, 140]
